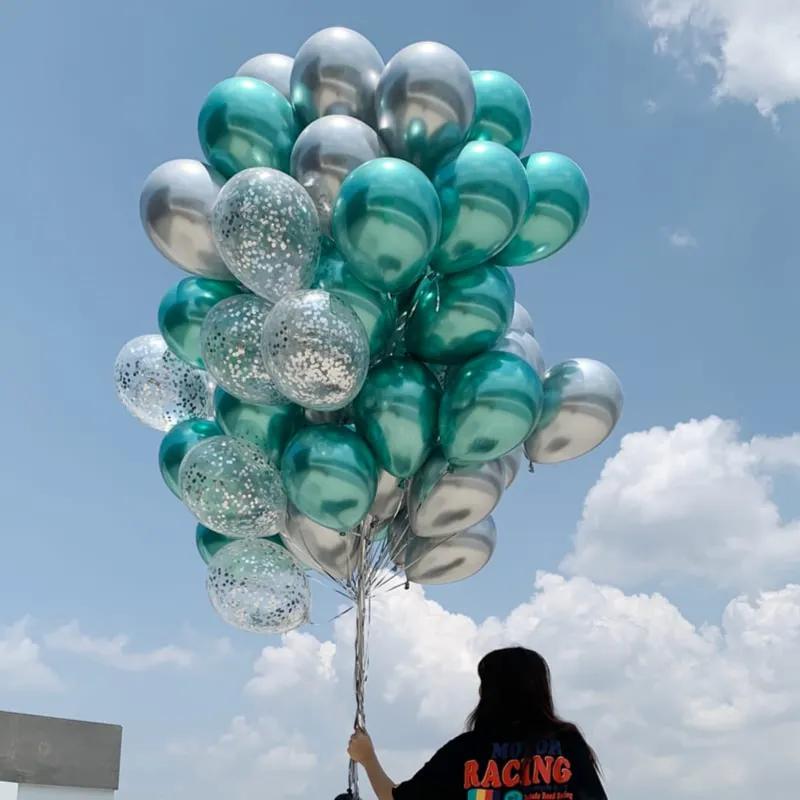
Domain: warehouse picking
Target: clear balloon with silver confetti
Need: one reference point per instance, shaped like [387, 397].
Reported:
[316, 350]
[267, 231]
[157, 387]
[230, 344]
[231, 487]
[257, 586]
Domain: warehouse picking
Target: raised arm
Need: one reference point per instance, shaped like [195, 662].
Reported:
[362, 751]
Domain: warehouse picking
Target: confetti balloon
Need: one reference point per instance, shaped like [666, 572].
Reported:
[230, 345]
[209, 542]
[231, 487]
[268, 426]
[316, 350]
[177, 443]
[245, 123]
[267, 230]
[182, 312]
[558, 205]
[257, 586]
[272, 68]
[157, 387]
[502, 110]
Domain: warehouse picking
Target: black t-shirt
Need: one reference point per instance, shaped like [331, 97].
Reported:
[474, 766]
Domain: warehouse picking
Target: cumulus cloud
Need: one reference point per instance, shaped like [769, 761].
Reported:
[752, 47]
[672, 708]
[114, 651]
[21, 665]
[693, 501]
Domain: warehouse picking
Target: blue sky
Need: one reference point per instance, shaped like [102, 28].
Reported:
[684, 279]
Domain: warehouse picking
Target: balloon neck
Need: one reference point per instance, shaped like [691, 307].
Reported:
[531, 468]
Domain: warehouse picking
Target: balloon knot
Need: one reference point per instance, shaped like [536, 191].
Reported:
[531, 468]
[408, 585]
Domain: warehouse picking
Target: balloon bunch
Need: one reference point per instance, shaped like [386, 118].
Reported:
[346, 382]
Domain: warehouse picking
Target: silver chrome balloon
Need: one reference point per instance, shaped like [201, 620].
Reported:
[522, 344]
[582, 403]
[335, 72]
[272, 68]
[388, 497]
[444, 500]
[460, 556]
[511, 463]
[425, 102]
[337, 417]
[175, 207]
[318, 547]
[521, 321]
[326, 152]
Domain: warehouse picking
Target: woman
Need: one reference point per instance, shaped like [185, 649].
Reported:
[515, 747]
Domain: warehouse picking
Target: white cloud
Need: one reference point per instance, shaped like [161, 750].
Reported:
[650, 106]
[692, 501]
[21, 665]
[681, 238]
[753, 46]
[114, 652]
[671, 708]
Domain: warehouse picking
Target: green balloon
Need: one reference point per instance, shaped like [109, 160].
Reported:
[484, 195]
[386, 222]
[558, 207]
[245, 123]
[177, 443]
[182, 311]
[502, 110]
[209, 542]
[268, 427]
[377, 310]
[489, 407]
[330, 475]
[397, 413]
[455, 317]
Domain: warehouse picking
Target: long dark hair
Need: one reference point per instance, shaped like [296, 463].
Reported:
[516, 695]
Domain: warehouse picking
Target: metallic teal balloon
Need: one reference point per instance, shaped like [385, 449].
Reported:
[386, 222]
[268, 427]
[489, 407]
[177, 443]
[245, 123]
[330, 474]
[182, 311]
[455, 317]
[376, 310]
[209, 542]
[502, 110]
[558, 207]
[397, 413]
[484, 194]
